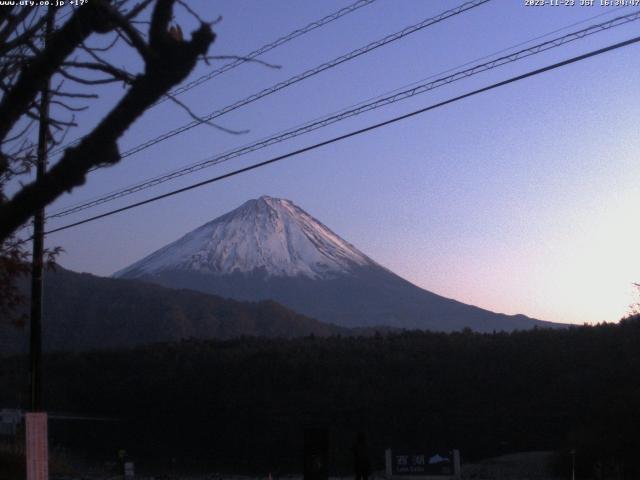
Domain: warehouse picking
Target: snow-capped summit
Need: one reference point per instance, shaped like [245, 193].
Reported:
[269, 235]
[270, 249]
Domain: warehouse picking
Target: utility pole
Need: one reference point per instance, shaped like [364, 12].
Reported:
[37, 448]
[38, 244]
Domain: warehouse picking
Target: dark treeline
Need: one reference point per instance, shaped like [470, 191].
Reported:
[243, 403]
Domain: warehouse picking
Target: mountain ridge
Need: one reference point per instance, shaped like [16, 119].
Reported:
[294, 259]
[265, 233]
[83, 312]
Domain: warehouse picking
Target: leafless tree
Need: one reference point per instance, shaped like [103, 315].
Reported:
[76, 55]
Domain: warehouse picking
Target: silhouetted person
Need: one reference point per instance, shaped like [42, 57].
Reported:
[361, 462]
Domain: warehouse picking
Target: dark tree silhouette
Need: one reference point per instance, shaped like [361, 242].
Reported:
[167, 60]
[70, 64]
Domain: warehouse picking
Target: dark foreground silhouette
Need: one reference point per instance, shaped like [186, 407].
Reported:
[242, 405]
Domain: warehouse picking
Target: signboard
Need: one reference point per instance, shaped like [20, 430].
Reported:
[37, 446]
[421, 464]
[128, 470]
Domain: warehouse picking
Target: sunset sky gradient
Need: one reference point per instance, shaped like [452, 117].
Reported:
[520, 200]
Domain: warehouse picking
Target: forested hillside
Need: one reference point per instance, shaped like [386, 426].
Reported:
[83, 312]
[244, 403]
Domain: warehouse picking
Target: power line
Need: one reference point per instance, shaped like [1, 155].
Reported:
[249, 57]
[351, 112]
[211, 161]
[310, 126]
[493, 86]
[309, 73]
[270, 46]
[485, 57]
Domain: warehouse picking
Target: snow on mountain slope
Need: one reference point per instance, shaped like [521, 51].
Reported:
[266, 234]
[269, 249]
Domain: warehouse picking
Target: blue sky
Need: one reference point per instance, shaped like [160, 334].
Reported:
[519, 200]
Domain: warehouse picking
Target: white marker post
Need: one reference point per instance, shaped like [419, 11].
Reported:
[37, 446]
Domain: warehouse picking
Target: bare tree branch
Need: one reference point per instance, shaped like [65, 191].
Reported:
[131, 35]
[28, 33]
[86, 81]
[245, 59]
[67, 107]
[76, 95]
[202, 120]
[167, 62]
[82, 23]
[106, 48]
[20, 133]
[117, 73]
[11, 22]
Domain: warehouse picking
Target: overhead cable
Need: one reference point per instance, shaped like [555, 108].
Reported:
[354, 133]
[251, 56]
[357, 110]
[269, 46]
[308, 74]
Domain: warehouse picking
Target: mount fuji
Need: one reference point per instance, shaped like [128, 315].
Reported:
[269, 248]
